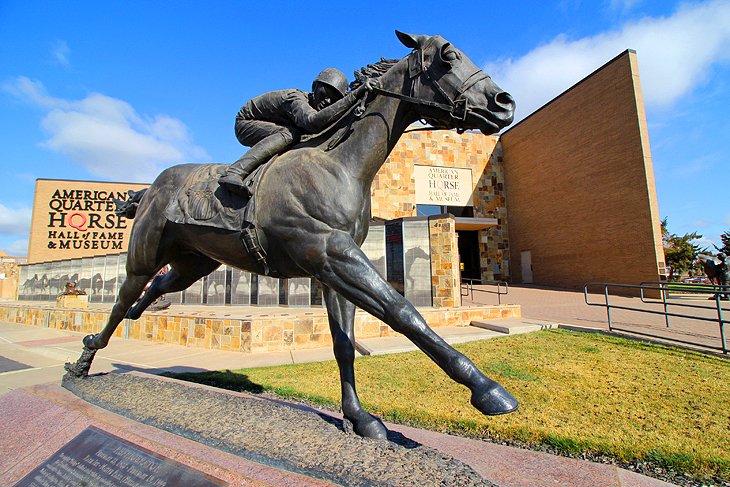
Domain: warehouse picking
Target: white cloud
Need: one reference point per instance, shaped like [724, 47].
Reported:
[707, 243]
[17, 248]
[695, 167]
[107, 136]
[675, 54]
[14, 221]
[623, 5]
[61, 53]
[32, 92]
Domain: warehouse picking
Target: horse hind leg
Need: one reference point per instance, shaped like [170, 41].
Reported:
[341, 314]
[183, 273]
[348, 271]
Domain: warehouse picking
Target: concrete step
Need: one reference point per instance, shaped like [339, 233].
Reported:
[514, 326]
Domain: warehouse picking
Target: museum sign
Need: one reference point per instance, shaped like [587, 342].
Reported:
[73, 219]
[445, 186]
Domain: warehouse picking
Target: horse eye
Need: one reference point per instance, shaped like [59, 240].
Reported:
[449, 54]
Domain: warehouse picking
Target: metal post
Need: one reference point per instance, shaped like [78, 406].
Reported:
[663, 289]
[608, 308]
[722, 324]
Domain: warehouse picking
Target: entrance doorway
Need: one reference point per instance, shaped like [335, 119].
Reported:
[469, 254]
[526, 261]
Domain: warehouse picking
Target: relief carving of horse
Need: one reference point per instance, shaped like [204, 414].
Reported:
[312, 212]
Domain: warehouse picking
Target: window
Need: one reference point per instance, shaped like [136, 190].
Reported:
[430, 210]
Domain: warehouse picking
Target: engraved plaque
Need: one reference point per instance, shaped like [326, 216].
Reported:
[98, 458]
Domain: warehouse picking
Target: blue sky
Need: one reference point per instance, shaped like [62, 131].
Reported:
[117, 91]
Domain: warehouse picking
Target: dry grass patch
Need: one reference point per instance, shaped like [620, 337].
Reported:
[579, 393]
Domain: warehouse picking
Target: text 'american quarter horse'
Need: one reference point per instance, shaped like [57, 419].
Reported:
[309, 215]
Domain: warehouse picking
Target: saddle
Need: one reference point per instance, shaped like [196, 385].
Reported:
[202, 201]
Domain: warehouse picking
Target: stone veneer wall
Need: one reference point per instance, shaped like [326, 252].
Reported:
[393, 191]
[492, 202]
[9, 285]
[445, 279]
[292, 330]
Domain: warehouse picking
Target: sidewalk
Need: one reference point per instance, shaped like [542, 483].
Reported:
[568, 307]
[31, 356]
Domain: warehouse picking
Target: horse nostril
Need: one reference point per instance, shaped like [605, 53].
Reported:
[505, 100]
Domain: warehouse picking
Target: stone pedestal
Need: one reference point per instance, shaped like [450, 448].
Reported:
[72, 301]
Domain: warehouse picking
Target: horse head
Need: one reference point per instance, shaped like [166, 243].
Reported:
[467, 97]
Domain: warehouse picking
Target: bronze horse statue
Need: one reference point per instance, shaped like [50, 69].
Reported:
[707, 262]
[312, 212]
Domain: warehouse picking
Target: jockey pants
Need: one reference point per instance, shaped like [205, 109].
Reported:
[266, 140]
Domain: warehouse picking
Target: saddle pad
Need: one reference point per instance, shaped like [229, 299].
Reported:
[201, 201]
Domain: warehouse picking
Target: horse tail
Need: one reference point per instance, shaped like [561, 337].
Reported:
[128, 208]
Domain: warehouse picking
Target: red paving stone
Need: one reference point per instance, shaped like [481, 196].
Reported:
[48, 341]
[39, 420]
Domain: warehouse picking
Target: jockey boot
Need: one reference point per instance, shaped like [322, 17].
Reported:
[260, 153]
[232, 180]
[235, 174]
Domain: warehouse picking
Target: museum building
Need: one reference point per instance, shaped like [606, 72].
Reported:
[564, 197]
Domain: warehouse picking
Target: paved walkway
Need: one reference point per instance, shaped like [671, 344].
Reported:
[30, 355]
[569, 307]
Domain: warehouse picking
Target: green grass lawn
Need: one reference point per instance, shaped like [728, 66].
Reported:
[679, 287]
[579, 392]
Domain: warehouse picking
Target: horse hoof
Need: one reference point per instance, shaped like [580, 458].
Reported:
[74, 370]
[368, 426]
[81, 368]
[493, 401]
[92, 342]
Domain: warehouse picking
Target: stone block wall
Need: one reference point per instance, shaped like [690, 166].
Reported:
[445, 275]
[287, 330]
[394, 195]
[494, 242]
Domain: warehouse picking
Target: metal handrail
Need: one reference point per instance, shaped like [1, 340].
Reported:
[663, 289]
[470, 288]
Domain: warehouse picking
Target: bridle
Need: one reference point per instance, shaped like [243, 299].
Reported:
[457, 106]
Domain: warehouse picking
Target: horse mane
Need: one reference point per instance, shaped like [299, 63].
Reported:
[344, 124]
[375, 70]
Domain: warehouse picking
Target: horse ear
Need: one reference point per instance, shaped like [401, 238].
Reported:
[409, 40]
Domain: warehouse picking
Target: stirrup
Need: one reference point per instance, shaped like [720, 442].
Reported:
[234, 183]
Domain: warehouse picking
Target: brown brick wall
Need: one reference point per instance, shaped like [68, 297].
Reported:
[580, 185]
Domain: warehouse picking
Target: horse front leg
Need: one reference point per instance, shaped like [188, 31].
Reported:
[348, 271]
[341, 314]
[128, 293]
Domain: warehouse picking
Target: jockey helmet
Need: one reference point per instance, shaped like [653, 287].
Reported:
[334, 78]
